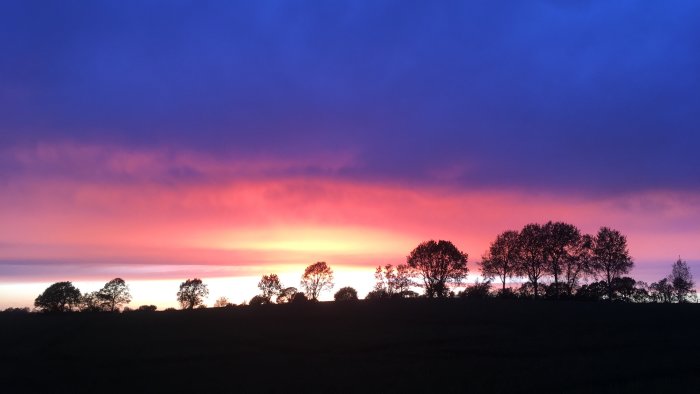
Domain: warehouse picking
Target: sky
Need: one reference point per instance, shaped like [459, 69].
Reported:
[162, 140]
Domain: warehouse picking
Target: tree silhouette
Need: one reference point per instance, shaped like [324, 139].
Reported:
[611, 258]
[532, 261]
[394, 281]
[299, 298]
[59, 297]
[502, 257]
[560, 244]
[114, 295]
[192, 293]
[258, 300]
[270, 286]
[90, 302]
[579, 263]
[437, 264]
[681, 280]
[661, 291]
[346, 294]
[221, 302]
[317, 278]
[286, 295]
[147, 308]
[479, 290]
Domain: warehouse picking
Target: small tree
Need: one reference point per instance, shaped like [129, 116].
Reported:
[317, 278]
[479, 290]
[346, 294]
[502, 258]
[661, 291]
[270, 286]
[147, 308]
[437, 264]
[286, 295]
[394, 281]
[682, 281]
[114, 295]
[221, 302]
[611, 258]
[59, 297]
[90, 302]
[192, 293]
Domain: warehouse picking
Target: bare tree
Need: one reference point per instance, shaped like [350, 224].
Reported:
[611, 258]
[270, 286]
[437, 264]
[317, 278]
[114, 295]
[192, 293]
[502, 258]
[681, 280]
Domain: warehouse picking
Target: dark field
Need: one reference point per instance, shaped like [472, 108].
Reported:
[414, 346]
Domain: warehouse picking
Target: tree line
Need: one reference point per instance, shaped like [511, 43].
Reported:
[552, 260]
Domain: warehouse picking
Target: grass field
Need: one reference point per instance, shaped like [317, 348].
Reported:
[403, 346]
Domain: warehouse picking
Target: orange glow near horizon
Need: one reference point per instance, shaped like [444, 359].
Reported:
[143, 229]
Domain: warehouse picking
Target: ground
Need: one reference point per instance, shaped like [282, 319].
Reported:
[410, 346]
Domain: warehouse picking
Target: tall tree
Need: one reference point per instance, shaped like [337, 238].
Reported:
[532, 262]
[560, 241]
[578, 263]
[682, 281]
[437, 264]
[270, 286]
[502, 257]
[317, 278]
[192, 293]
[59, 297]
[611, 259]
[114, 295]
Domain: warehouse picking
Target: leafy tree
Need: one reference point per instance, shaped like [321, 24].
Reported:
[270, 286]
[437, 264]
[579, 263]
[395, 281]
[147, 308]
[286, 295]
[595, 291]
[479, 290]
[346, 294]
[221, 302]
[59, 297]
[317, 278]
[681, 280]
[661, 291]
[502, 258]
[380, 294]
[624, 288]
[532, 261]
[114, 294]
[192, 293]
[611, 258]
[90, 302]
[560, 244]
[299, 298]
[258, 300]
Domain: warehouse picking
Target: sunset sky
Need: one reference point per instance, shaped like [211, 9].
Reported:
[162, 140]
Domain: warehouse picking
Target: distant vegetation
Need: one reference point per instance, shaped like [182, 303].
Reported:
[551, 261]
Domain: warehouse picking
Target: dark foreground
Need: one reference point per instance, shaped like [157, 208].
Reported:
[412, 346]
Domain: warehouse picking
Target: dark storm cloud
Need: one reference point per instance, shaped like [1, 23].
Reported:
[586, 96]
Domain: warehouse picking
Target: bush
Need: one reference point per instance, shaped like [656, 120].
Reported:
[346, 294]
